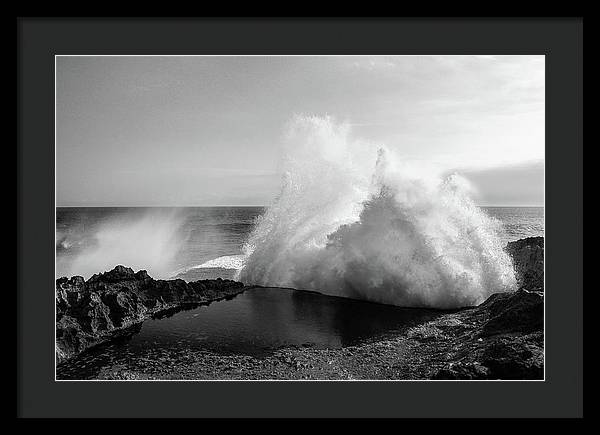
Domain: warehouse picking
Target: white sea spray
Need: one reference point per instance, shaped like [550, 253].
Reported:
[354, 220]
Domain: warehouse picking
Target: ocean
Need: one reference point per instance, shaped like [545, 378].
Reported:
[191, 242]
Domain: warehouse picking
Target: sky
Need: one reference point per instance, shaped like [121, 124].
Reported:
[199, 131]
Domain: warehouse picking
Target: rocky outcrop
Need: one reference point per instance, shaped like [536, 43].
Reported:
[507, 341]
[504, 339]
[528, 259]
[111, 303]
[522, 312]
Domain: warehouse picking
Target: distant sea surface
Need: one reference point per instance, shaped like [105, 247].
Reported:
[191, 242]
[518, 222]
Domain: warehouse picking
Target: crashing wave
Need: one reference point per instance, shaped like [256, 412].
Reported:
[350, 220]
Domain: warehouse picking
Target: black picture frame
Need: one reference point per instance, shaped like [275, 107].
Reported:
[560, 40]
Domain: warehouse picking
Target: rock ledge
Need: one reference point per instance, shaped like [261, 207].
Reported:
[111, 303]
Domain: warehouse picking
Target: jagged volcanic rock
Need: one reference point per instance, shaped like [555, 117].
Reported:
[108, 304]
[528, 258]
[507, 341]
[522, 311]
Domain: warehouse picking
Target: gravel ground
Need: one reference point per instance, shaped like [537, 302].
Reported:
[451, 346]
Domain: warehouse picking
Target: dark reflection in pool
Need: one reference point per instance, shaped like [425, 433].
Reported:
[255, 323]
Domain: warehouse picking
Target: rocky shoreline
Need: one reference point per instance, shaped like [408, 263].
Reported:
[456, 346]
[502, 338]
[109, 304]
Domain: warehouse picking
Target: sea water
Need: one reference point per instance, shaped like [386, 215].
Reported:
[201, 242]
[192, 242]
[255, 323]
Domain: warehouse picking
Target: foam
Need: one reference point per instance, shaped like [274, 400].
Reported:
[354, 220]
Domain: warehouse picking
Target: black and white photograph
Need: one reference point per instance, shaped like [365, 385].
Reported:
[300, 217]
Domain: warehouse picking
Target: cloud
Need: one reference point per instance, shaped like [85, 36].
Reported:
[517, 185]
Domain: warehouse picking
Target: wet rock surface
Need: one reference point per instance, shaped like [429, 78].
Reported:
[108, 304]
[528, 258]
[522, 311]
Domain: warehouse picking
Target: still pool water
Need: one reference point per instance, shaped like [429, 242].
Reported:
[255, 323]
